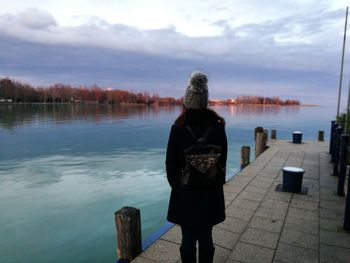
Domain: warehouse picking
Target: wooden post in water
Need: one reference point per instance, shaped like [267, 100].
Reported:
[273, 134]
[260, 143]
[320, 136]
[267, 134]
[258, 129]
[128, 224]
[245, 156]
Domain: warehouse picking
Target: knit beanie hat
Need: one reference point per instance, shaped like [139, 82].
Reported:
[196, 96]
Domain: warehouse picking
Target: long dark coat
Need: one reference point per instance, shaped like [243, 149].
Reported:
[195, 206]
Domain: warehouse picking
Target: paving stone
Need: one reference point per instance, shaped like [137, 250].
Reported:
[279, 196]
[227, 203]
[276, 214]
[310, 206]
[334, 205]
[331, 213]
[266, 224]
[163, 251]
[260, 238]
[224, 238]
[233, 188]
[301, 225]
[247, 204]
[141, 259]
[271, 174]
[261, 182]
[233, 225]
[173, 235]
[289, 253]
[239, 212]
[241, 181]
[252, 196]
[302, 213]
[331, 224]
[221, 254]
[300, 239]
[251, 253]
[230, 195]
[312, 196]
[334, 254]
[329, 196]
[276, 204]
[232, 261]
[335, 238]
[328, 182]
[256, 189]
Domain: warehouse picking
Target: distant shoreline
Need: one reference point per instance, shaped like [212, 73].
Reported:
[12, 91]
[149, 104]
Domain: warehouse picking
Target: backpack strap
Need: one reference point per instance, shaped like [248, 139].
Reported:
[200, 139]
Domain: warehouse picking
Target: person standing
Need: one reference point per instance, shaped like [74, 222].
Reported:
[196, 180]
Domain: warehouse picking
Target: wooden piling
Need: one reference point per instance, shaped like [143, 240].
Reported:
[267, 134]
[258, 129]
[260, 143]
[128, 224]
[273, 134]
[245, 156]
[320, 136]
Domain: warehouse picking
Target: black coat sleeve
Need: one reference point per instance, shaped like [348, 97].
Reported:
[223, 157]
[172, 161]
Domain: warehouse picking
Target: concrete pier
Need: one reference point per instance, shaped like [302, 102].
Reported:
[264, 225]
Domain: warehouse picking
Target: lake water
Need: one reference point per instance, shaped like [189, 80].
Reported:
[65, 170]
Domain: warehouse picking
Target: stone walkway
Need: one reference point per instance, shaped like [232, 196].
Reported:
[263, 225]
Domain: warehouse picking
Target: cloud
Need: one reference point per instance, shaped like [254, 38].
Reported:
[278, 43]
[35, 19]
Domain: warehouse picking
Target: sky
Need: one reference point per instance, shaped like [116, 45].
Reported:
[290, 49]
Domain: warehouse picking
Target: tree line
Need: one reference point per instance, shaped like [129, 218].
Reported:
[17, 92]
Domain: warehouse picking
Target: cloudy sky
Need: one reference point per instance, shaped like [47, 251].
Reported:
[286, 48]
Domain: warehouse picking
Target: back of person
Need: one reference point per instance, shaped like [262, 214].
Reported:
[196, 208]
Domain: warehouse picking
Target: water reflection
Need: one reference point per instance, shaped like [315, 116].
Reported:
[18, 115]
[259, 110]
[24, 114]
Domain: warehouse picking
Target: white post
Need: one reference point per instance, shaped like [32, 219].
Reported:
[342, 61]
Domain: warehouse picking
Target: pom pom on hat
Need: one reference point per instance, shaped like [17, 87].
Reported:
[196, 96]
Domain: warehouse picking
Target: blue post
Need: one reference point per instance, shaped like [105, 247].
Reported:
[347, 207]
[331, 137]
[342, 163]
[337, 140]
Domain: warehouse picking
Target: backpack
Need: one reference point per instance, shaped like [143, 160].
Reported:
[202, 168]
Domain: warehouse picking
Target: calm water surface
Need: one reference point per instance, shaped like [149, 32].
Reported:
[65, 170]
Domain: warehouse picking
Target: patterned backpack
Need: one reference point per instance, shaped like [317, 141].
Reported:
[202, 168]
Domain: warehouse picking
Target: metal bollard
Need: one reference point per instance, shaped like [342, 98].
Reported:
[337, 140]
[347, 207]
[342, 163]
[333, 141]
[331, 137]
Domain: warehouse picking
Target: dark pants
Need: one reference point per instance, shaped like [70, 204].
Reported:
[190, 236]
